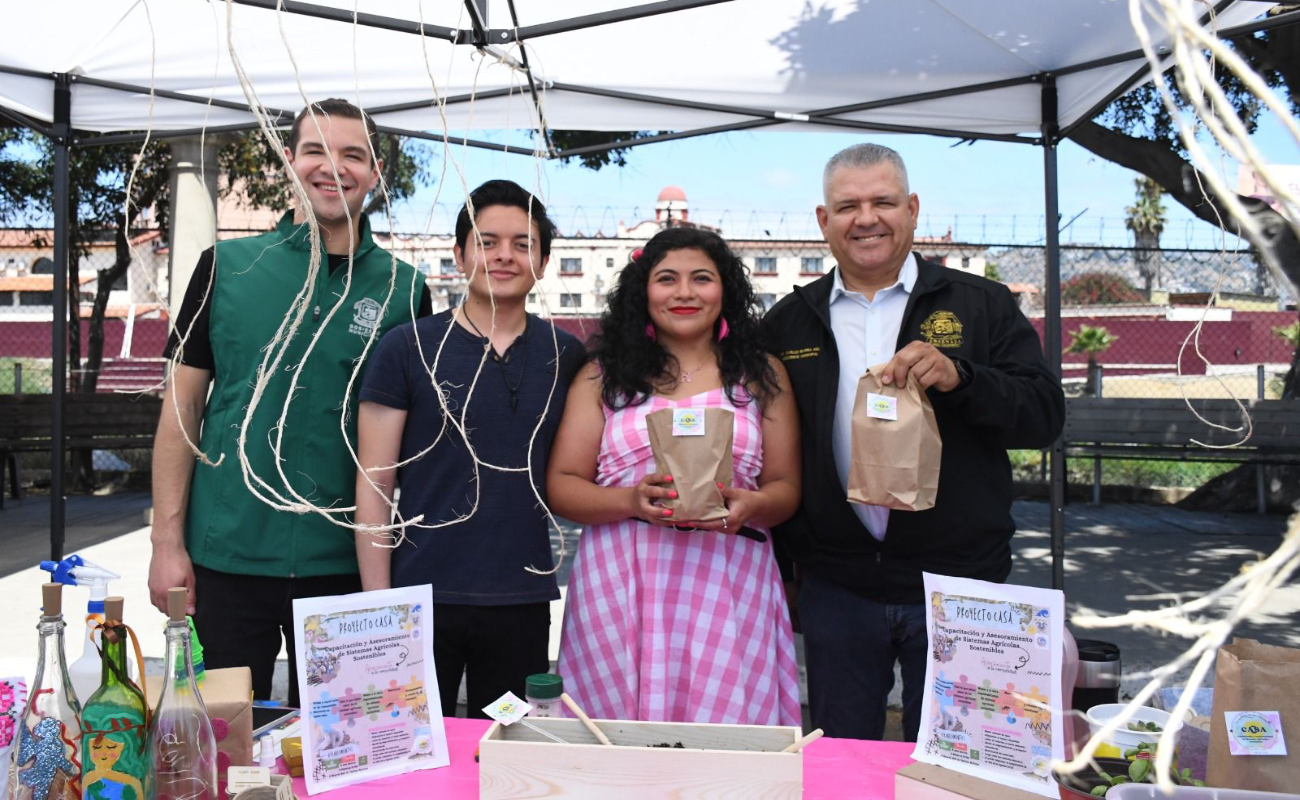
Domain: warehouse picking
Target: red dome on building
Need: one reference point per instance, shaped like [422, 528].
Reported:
[672, 193]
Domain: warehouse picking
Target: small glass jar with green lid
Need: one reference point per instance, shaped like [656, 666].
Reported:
[542, 692]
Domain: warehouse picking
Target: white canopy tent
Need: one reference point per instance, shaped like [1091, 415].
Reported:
[970, 68]
[1011, 70]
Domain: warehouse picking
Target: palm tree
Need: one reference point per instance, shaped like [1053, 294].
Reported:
[1291, 335]
[1146, 218]
[1093, 341]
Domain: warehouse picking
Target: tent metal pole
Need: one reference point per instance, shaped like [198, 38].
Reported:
[170, 95]
[456, 140]
[132, 137]
[608, 17]
[764, 123]
[817, 117]
[62, 130]
[364, 20]
[26, 121]
[1052, 318]
[666, 137]
[448, 101]
[532, 83]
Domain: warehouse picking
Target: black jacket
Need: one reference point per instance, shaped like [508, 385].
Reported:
[1012, 401]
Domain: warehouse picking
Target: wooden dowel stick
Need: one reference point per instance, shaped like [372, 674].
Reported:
[578, 712]
[804, 742]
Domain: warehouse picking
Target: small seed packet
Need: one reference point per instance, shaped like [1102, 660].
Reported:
[1255, 733]
[688, 422]
[507, 709]
[882, 406]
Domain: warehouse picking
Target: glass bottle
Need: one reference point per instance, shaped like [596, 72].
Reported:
[46, 762]
[182, 747]
[113, 729]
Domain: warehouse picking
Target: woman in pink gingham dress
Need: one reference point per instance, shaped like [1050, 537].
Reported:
[673, 619]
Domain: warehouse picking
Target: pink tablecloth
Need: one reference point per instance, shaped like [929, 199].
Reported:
[832, 769]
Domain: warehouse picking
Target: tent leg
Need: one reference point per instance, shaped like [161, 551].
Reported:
[1052, 321]
[62, 138]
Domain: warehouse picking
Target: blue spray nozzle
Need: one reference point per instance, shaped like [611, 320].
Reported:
[77, 571]
[61, 571]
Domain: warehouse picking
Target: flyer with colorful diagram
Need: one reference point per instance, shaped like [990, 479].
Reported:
[991, 706]
[367, 686]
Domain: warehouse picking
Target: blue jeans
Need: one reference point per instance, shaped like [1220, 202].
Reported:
[851, 644]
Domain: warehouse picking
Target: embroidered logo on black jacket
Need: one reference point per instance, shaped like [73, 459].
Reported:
[942, 329]
[799, 353]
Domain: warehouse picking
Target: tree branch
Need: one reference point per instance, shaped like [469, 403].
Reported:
[1179, 180]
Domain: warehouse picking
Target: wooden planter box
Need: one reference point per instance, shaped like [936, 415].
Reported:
[720, 762]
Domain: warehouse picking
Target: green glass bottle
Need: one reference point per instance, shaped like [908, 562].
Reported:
[113, 724]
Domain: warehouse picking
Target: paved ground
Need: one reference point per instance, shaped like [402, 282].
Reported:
[89, 520]
[1118, 557]
[1121, 557]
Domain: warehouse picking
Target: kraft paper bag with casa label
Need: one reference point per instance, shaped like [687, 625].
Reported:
[896, 445]
[694, 446]
[1257, 679]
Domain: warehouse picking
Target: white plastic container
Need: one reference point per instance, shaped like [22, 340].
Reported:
[1115, 744]
[1148, 791]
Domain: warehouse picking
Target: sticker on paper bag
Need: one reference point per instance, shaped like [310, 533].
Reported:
[882, 406]
[688, 422]
[1255, 733]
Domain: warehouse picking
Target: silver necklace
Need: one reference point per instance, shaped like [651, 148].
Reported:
[689, 375]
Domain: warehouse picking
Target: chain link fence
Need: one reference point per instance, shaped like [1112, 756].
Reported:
[1135, 323]
[1159, 324]
[117, 350]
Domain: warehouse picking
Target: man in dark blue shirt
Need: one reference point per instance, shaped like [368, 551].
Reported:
[493, 377]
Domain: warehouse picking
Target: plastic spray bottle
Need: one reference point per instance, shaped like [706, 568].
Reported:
[86, 671]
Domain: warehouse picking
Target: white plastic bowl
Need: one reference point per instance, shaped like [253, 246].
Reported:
[1119, 741]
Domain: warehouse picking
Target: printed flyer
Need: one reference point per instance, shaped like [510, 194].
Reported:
[991, 706]
[368, 689]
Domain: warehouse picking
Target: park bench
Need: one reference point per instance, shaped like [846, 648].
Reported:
[1163, 429]
[90, 422]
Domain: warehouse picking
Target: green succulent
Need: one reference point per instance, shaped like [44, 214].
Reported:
[1140, 770]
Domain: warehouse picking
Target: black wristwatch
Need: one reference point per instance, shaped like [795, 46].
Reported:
[963, 372]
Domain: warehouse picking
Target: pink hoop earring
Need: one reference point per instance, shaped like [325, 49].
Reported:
[650, 331]
[723, 330]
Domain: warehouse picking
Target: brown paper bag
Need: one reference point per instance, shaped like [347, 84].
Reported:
[895, 462]
[228, 696]
[1249, 676]
[694, 446]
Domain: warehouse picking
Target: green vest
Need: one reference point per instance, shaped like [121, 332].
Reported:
[255, 282]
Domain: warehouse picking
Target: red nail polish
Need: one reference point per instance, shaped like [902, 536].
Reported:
[668, 477]
[668, 512]
[672, 495]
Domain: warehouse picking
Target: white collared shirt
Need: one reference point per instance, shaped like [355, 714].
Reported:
[866, 335]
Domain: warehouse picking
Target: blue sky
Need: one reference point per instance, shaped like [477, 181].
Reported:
[757, 181]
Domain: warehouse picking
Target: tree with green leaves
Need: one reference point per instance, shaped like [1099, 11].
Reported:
[1137, 131]
[1093, 342]
[1146, 219]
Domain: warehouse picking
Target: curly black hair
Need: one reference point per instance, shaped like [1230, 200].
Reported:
[633, 364]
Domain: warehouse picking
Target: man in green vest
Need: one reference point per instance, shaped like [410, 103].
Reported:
[242, 535]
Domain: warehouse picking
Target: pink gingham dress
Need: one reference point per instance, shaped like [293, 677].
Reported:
[663, 625]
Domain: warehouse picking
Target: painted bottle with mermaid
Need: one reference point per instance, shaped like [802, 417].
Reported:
[114, 722]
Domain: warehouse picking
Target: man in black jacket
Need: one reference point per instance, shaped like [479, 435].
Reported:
[860, 595]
